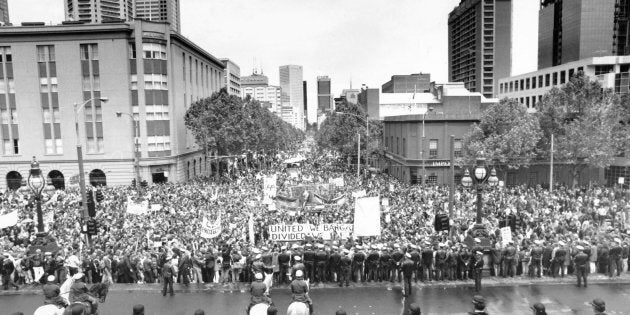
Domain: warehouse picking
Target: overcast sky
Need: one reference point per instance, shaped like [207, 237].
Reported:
[363, 41]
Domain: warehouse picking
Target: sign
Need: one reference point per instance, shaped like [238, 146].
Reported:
[367, 217]
[9, 219]
[299, 232]
[137, 208]
[210, 229]
[156, 207]
[506, 235]
[621, 180]
[443, 163]
[359, 194]
[337, 181]
[270, 188]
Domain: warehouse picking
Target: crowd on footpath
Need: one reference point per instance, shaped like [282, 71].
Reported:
[547, 229]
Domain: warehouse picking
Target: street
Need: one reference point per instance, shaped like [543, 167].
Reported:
[559, 299]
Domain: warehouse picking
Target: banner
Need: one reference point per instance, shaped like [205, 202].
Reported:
[137, 208]
[210, 229]
[299, 232]
[156, 207]
[506, 235]
[270, 188]
[359, 193]
[337, 181]
[9, 219]
[287, 204]
[367, 217]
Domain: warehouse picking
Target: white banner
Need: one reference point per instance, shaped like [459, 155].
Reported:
[359, 193]
[299, 232]
[367, 217]
[156, 207]
[210, 229]
[337, 181]
[506, 235]
[9, 219]
[270, 188]
[137, 207]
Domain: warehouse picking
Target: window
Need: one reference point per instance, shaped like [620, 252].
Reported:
[404, 145]
[432, 179]
[397, 146]
[89, 51]
[457, 148]
[527, 84]
[555, 78]
[154, 51]
[132, 50]
[547, 79]
[533, 82]
[157, 112]
[563, 77]
[159, 143]
[155, 82]
[433, 148]
[604, 69]
[95, 145]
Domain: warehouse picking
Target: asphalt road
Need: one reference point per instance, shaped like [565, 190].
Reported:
[558, 298]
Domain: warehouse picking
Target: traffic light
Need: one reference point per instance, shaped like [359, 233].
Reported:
[90, 204]
[99, 196]
[91, 227]
[441, 222]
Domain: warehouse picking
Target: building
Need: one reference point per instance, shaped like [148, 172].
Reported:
[449, 110]
[612, 72]
[369, 99]
[257, 87]
[418, 82]
[351, 95]
[292, 87]
[254, 80]
[324, 95]
[232, 79]
[97, 11]
[145, 70]
[4, 12]
[160, 11]
[480, 44]
[579, 29]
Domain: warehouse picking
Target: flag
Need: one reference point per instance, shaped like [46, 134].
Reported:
[210, 229]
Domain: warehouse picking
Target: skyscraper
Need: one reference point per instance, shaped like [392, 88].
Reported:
[257, 87]
[97, 11]
[4, 12]
[232, 79]
[578, 29]
[324, 94]
[293, 92]
[159, 10]
[480, 44]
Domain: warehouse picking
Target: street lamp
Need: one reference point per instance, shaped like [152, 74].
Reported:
[479, 180]
[36, 183]
[366, 120]
[136, 144]
[78, 107]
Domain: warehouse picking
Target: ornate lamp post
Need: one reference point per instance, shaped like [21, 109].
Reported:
[480, 180]
[37, 183]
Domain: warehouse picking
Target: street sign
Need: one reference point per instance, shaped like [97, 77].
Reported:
[621, 180]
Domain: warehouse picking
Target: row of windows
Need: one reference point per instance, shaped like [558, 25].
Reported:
[8, 116]
[159, 143]
[433, 146]
[540, 81]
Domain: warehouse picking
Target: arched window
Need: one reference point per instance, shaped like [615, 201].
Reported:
[57, 179]
[97, 178]
[194, 167]
[188, 171]
[14, 180]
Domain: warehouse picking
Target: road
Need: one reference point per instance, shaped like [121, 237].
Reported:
[559, 299]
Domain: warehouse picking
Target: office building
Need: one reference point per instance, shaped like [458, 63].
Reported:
[4, 12]
[292, 87]
[572, 30]
[324, 94]
[159, 11]
[232, 79]
[97, 11]
[369, 100]
[351, 95]
[480, 44]
[417, 82]
[305, 99]
[145, 70]
[257, 87]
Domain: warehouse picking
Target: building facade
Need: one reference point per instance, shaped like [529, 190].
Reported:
[159, 11]
[480, 44]
[324, 94]
[97, 11]
[417, 82]
[145, 70]
[351, 95]
[579, 29]
[369, 99]
[232, 78]
[292, 87]
[257, 87]
[4, 12]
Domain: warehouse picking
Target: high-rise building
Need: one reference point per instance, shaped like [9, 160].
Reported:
[305, 96]
[4, 12]
[257, 87]
[324, 94]
[369, 99]
[480, 44]
[417, 82]
[351, 95]
[232, 79]
[159, 11]
[292, 87]
[97, 11]
[148, 72]
[579, 29]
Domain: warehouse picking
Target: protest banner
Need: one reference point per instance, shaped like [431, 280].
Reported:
[299, 232]
[506, 235]
[337, 181]
[270, 188]
[9, 219]
[210, 229]
[367, 217]
[359, 193]
[137, 208]
[156, 207]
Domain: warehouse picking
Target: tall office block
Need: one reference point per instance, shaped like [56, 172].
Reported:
[232, 79]
[417, 82]
[159, 11]
[257, 87]
[292, 87]
[578, 29]
[480, 44]
[305, 96]
[4, 12]
[97, 11]
[324, 94]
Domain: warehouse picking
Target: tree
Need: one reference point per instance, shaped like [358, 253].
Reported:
[506, 135]
[586, 122]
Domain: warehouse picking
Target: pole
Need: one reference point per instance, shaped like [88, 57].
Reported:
[551, 167]
[40, 215]
[80, 160]
[478, 204]
[359, 155]
[451, 178]
[422, 153]
[367, 142]
[136, 160]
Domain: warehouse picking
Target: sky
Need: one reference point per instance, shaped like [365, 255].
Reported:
[358, 41]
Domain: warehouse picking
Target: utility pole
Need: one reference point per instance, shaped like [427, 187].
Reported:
[551, 167]
[451, 178]
[359, 155]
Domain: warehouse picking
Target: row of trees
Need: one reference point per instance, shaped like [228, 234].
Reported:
[590, 127]
[230, 125]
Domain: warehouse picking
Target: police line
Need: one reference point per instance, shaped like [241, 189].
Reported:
[299, 232]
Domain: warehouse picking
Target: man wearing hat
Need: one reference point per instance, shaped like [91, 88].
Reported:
[614, 258]
[309, 262]
[372, 264]
[427, 261]
[8, 268]
[408, 267]
[559, 255]
[284, 261]
[581, 266]
[321, 259]
[397, 258]
[536, 258]
[79, 292]
[358, 261]
[51, 293]
[440, 262]
[479, 305]
[258, 290]
[297, 265]
[478, 270]
[345, 268]
[334, 263]
[299, 290]
[599, 306]
[539, 309]
[167, 275]
[509, 256]
[385, 264]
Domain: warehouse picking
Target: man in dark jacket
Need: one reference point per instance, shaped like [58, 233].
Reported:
[427, 262]
[345, 268]
[258, 290]
[284, 262]
[581, 266]
[51, 293]
[321, 258]
[8, 268]
[167, 276]
[614, 258]
[408, 267]
[372, 264]
[478, 270]
[299, 290]
[537, 256]
[334, 264]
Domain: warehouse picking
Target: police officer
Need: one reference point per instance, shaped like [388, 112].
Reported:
[357, 264]
[581, 264]
[464, 262]
[440, 262]
[478, 270]
[559, 256]
[51, 293]
[397, 257]
[536, 259]
[408, 267]
[284, 262]
[299, 290]
[309, 262]
[345, 268]
[372, 264]
[509, 258]
[427, 261]
[167, 275]
[415, 256]
[334, 263]
[384, 263]
[258, 291]
[479, 305]
[614, 258]
[321, 258]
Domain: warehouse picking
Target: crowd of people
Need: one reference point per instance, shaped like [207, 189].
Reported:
[548, 231]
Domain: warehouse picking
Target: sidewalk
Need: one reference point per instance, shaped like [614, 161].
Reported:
[242, 287]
